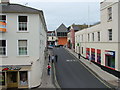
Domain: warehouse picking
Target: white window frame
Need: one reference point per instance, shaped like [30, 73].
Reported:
[6, 48]
[18, 23]
[27, 47]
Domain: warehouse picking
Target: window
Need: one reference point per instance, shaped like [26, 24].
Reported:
[110, 13]
[93, 36]
[22, 46]
[3, 18]
[88, 37]
[98, 36]
[110, 34]
[2, 47]
[23, 78]
[22, 20]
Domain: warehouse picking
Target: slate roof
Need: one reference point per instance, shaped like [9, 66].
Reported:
[17, 8]
[62, 28]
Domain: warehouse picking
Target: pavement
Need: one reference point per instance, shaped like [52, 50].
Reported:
[47, 80]
[103, 76]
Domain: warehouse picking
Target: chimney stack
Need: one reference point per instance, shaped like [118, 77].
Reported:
[4, 1]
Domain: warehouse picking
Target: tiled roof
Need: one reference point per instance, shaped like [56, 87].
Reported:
[17, 8]
[62, 28]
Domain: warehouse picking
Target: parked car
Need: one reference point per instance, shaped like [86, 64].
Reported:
[50, 47]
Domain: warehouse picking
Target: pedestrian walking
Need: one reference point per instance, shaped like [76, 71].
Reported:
[56, 57]
[48, 69]
[79, 55]
[52, 57]
[49, 58]
[89, 57]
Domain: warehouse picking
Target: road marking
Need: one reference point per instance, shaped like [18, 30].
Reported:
[70, 60]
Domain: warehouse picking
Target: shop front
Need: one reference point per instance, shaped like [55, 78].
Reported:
[93, 54]
[87, 52]
[99, 56]
[14, 76]
[110, 59]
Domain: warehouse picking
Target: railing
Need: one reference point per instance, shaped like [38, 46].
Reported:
[22, 26]
[2, 26]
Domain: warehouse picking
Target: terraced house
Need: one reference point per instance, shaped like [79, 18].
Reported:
[23, 36]
[101, 41]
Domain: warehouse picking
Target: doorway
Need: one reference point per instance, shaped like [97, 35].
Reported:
[12, 79]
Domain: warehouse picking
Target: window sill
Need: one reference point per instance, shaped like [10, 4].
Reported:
[22, 31]
[23, 56]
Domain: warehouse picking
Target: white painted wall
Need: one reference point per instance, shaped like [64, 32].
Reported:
[36, 37]
[103, 27]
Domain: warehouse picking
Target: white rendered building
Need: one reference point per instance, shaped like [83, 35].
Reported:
[101, 41]
[23, 37]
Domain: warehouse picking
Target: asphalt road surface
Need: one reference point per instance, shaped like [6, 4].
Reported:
[71, 74]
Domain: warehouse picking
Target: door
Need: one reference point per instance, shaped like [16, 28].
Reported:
[12, 79]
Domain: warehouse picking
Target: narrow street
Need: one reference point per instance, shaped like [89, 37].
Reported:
[71, 74]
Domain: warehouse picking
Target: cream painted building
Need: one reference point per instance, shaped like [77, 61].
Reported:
[101, 41]
[23, 37]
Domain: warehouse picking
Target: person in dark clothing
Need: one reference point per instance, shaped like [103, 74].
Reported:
[56, 58]
[48, 69]
[49, 57]
[79, 55]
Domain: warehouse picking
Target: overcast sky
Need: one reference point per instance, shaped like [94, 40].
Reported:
[68, 12]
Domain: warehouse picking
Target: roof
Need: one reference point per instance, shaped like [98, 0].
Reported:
[79, 27]
[62, 28]
[17, 8]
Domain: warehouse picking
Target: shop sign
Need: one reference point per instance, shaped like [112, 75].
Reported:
[11, 68]
[112, 53]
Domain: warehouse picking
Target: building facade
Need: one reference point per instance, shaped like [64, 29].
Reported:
[61, 33]
[71, 35]
[52, 39]
[23, 37]
[101, 41]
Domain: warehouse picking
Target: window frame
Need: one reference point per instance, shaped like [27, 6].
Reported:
[18, 24]
[18, 47]
[110, 38]
[5, 49]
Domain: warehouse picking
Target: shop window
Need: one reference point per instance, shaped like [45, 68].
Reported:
[23, 78]
[2, 78]
[87, 52]
[98, 56]
[93, 54]
[110, 59]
